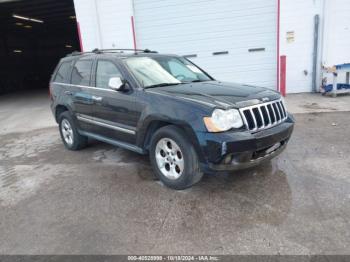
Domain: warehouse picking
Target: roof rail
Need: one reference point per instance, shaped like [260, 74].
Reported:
[121, 50]
[74, 53]
[112, 50]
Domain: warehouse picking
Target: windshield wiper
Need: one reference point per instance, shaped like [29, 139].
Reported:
[162, 84]
[198, 80]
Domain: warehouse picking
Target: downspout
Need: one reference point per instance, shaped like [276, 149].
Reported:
[315, 53]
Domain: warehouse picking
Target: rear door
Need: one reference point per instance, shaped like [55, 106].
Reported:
[80, 91]
[115, 114]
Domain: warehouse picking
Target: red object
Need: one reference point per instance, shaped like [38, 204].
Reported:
[283, 64]
[278, 43]
[50, 92]
[80, 40]
[133, 31]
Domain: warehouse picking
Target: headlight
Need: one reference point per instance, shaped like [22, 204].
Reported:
[223, 120]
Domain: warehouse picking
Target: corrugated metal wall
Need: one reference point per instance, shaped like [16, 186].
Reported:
[202, 27]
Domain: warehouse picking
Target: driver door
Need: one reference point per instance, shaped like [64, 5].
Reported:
[114, 112]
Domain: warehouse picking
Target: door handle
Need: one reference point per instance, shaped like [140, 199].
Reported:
[97, 98]
[68, 93]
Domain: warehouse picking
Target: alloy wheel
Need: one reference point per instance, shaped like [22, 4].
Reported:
[67, 132]
[169, 158]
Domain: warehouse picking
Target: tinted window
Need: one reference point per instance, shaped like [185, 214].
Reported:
[62, 73]
[105, 70]
[81, 72]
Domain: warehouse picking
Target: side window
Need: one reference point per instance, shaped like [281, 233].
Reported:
[81, 72]
[105, 70]
[62, 73]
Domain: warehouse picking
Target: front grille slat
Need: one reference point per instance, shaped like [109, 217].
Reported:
[254, 119]
[248, 119]
[278, 112]
[263, 116]
[273, 106]
[272, 114]
[266, 115]
[269, 114]
[259, 121]
[282, 108]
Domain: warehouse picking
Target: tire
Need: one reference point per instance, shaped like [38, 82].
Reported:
[67, 126]
[168, 167]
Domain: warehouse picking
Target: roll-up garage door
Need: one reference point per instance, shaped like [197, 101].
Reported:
[231, 40]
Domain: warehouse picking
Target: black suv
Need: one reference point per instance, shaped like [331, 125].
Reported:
[167, 107]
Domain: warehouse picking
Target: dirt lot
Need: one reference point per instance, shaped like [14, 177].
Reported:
[105, 200]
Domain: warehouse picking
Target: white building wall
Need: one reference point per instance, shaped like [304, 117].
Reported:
[297, 40]
[297, 16]
[336, 37]
[206, 26]
[337, 32]
[105, 23]
[86, 17]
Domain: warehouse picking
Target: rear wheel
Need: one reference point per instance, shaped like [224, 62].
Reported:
[69, 133]
[174, 159]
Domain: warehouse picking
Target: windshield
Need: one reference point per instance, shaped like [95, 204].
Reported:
[164, 70]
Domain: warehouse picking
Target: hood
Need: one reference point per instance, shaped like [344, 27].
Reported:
[219, 94]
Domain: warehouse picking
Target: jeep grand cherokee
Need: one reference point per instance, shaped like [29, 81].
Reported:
[167, 107]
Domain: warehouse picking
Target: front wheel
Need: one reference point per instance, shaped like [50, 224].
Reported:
[174, 158]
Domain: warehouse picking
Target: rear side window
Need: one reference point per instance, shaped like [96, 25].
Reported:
[81, 72]
[62, 73]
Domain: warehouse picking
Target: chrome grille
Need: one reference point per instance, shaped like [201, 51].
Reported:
[263, 116]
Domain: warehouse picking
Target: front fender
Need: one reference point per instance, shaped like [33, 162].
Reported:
[159, 110]
[153, 122]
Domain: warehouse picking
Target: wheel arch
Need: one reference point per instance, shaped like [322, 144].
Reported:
[146, 133]
[59, 110]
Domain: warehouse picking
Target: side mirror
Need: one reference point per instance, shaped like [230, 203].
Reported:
[115, 83]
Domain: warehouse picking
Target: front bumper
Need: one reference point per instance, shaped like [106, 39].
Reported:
[242, 149]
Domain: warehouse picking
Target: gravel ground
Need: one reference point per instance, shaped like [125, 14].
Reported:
[105, 200]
